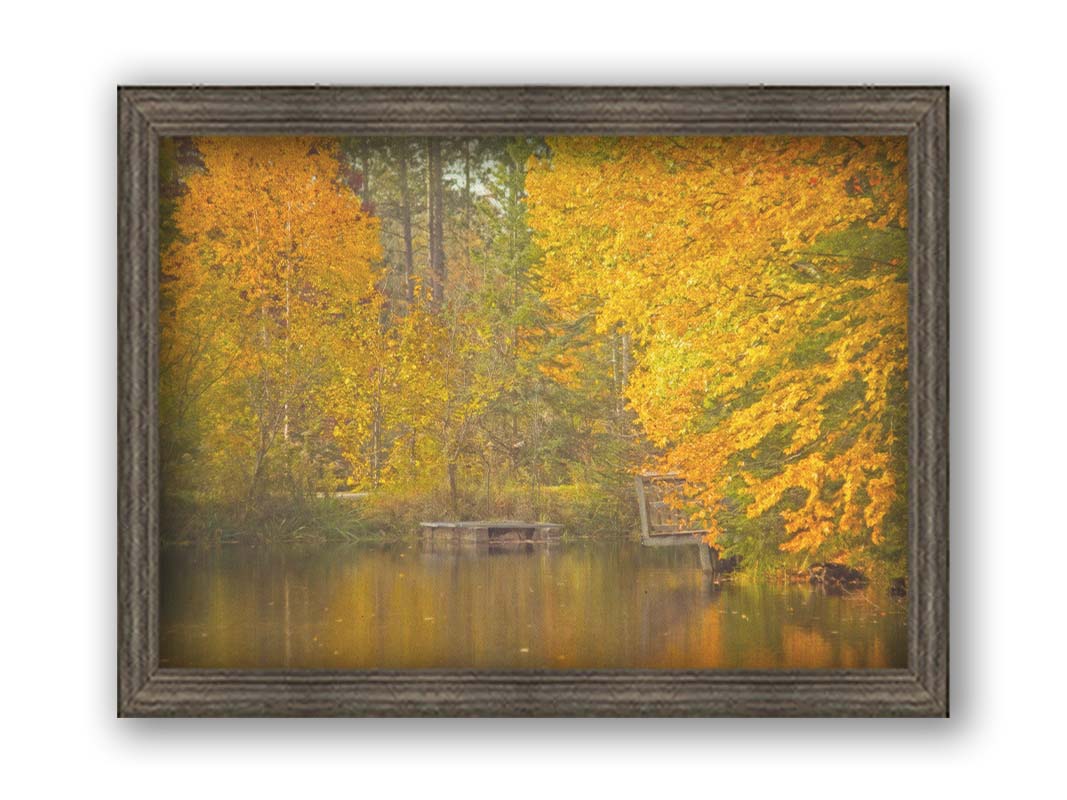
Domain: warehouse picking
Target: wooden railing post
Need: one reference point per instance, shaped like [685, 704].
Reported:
[642, 506]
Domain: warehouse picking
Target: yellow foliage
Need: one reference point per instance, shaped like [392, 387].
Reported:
[701, 249]
[268, 293]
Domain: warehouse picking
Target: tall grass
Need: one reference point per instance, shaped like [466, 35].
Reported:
[584, 510]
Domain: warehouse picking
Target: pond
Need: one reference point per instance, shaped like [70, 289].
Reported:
[572, 605]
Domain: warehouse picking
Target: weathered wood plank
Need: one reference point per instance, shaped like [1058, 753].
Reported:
[669, 540]
[709, 558]
[487, 531]
[642, 504]
[661, 525]
[667, 530]
[507, 523]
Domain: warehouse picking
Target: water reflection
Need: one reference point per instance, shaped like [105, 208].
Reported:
[577, 605]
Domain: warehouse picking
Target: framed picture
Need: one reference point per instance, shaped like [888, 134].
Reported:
[533, 401]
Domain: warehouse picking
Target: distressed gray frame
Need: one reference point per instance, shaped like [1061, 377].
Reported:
[147, 113]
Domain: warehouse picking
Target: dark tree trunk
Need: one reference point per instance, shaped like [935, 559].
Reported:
[435, 207]
[405, 225]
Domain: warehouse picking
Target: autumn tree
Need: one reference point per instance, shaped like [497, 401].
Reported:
[268, 291]
[762, 283]
[512, 326]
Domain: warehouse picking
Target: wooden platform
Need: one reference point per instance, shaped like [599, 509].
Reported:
[662, 525]
[492, 531]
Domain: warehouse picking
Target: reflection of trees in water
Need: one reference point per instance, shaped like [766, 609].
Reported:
[577, 605]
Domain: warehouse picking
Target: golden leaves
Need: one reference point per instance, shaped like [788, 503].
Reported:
[704, 251]
[268, 289]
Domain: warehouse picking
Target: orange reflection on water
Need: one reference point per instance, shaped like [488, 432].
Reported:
[582, 605]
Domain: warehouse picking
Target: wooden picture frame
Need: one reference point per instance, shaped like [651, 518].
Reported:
[147, 113]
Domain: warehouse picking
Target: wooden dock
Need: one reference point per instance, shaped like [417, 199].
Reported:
[492, 531]
[662, 525]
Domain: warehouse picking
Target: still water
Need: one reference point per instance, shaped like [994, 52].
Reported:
[568, 606]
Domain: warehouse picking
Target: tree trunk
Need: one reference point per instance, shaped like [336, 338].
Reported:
[376, 433]
[364, 158]
[615, 374]
[405, 225]
[453, 492]
[435, 207]
[467, 198]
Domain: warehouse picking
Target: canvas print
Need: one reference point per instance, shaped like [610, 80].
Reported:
[533, 403]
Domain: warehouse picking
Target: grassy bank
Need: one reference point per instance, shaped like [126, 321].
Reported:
[585, 511]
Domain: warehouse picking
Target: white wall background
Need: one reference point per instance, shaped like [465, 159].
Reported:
[57, 283]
